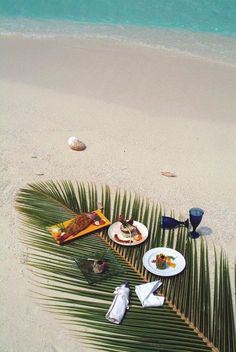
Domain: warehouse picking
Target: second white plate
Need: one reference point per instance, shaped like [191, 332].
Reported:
[150, 255]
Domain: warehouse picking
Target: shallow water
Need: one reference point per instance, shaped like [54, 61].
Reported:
[194, 15]
[204, 28]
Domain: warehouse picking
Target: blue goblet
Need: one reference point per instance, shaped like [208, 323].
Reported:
[168, 223]
[195, 215]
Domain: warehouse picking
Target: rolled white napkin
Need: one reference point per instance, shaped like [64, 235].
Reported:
[119, 305]
[146, 296]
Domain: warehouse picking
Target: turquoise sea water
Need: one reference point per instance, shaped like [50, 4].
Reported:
[218, 16]
[205, 28]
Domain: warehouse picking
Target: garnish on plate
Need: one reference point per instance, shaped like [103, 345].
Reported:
[57, 230]
[164, 261]
[129, 233]
[98, 221]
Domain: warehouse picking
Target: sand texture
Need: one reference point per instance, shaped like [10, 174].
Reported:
[140, 111]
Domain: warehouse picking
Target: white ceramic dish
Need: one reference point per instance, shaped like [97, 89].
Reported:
[151, 255]
[114, 230]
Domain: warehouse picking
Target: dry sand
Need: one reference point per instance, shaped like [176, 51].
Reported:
[140, 111]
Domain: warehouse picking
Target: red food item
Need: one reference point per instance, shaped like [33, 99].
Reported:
[58, 235]
[63, 237]
[116, 237]
[102, 222]
[80, 223]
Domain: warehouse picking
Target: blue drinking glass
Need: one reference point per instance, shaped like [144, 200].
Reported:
[195, 215]
[168, 223]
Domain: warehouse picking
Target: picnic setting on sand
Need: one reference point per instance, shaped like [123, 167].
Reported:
[117, 260]
[117, 175]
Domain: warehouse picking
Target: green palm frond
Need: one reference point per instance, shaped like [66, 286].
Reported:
[192, 319]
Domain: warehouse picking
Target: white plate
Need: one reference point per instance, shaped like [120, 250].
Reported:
[115, 229]
[151, 255]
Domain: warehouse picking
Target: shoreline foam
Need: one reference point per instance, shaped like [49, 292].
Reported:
[211, 46]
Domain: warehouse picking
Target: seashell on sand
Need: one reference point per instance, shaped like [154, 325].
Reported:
[76, 144]
[168, 174]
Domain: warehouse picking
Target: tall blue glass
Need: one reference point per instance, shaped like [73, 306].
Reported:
[195, 215]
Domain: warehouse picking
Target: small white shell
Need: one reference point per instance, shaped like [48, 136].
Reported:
[76, 144]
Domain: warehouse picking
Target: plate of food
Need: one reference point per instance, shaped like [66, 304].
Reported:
[82, 224]
[163, 261]
[128, 232]
[98, 266]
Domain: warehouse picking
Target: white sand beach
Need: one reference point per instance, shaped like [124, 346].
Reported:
[140, 111]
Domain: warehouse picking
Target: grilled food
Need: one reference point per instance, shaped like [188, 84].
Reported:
[79, 223]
